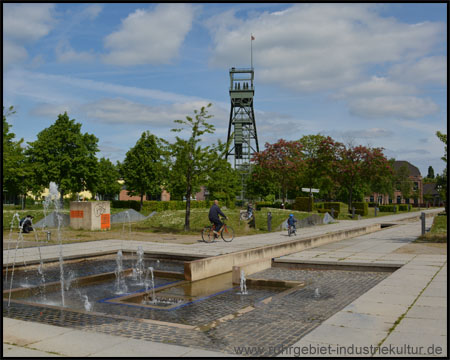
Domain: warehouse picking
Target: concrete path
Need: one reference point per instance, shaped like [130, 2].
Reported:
[217, 248]
[407, 308]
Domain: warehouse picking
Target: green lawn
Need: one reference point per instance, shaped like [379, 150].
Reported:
[172, 221]
[438, 231]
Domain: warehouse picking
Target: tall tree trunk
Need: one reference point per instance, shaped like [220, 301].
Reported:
[187, 226]
[350, 197]
[61, 193]
[142, 201]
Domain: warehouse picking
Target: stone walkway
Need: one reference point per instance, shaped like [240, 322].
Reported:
[409, 307]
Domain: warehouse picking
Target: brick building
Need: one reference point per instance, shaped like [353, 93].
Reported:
[417, 182]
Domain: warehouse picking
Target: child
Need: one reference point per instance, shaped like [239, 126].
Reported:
[291, 222]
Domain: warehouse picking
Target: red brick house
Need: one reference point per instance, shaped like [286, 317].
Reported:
[414, 176]
[165, 196]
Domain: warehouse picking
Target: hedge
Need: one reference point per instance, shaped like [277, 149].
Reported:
[261, 204]
[303, 203]
[386, 208]
[323, 211]
[333, 205]
[373, 204]
[318, 205]
[390, 208]
[155, 205]
[361, 208]
[126, 204]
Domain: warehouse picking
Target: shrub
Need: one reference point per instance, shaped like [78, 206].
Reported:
[386, 208]
[318, 205]
[303, 203]
[333, 205]
[373, 204]
[323, 211]
[125, 204]
[261, 204]
[361, 208]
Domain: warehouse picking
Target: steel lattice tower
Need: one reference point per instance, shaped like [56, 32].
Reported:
[242, 120]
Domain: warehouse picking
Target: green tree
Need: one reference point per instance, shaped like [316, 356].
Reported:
[430, 174]
[64, 155]
[143, 167]
[107, 181]
[443, 138]
[319, 154]
[441, 180]
[223, 182]
[191, 163]
[404, 183]
[15, 172]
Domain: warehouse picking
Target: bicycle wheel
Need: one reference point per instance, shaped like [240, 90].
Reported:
[207, 234]
[227, 233]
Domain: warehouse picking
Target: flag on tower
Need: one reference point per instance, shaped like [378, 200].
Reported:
[253, 38]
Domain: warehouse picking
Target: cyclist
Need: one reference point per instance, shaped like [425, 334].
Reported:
[214, 213]
[291, 222]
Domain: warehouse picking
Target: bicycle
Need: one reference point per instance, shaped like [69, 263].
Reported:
[292, 230]
[227, 233]
[245, 215]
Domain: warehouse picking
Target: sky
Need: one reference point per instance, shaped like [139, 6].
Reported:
[373, 74]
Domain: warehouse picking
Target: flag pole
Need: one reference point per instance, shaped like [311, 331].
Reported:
[251, 50]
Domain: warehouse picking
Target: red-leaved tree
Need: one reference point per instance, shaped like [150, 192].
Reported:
[362, 167]
[279, 165]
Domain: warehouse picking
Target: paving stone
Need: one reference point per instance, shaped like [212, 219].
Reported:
[24, 352]
[428, 345]
[427, 326]
[361, 321]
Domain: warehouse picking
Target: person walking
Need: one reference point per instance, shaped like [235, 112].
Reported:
[213, 216]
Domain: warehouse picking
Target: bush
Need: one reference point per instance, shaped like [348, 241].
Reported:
[261, 204]
[303, 203]
[323, 211]
[337, 206]
[361, 208]
[373, 204]
[386, 208]
[318, 205]
[126, 204]
[403, 207]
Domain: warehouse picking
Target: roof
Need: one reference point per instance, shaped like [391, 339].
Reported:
[430, 188]
[413, 171]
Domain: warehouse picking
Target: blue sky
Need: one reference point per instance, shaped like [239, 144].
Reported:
[370, 74]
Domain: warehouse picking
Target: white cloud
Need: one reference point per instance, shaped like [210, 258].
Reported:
[50, 110]
[377, 86]
[92, 11]
[311, 47]
[431, 69]
[65, 53]
[47, 86]
[27, 22]
[13, 53]
[150, 37]
[24, 24]
[121, 111]
[373, 133]
[406, 107]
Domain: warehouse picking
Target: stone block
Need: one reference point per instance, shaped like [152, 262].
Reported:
[90, 215]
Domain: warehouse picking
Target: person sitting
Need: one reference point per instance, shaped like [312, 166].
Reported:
[26, 224]
[291, 221]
